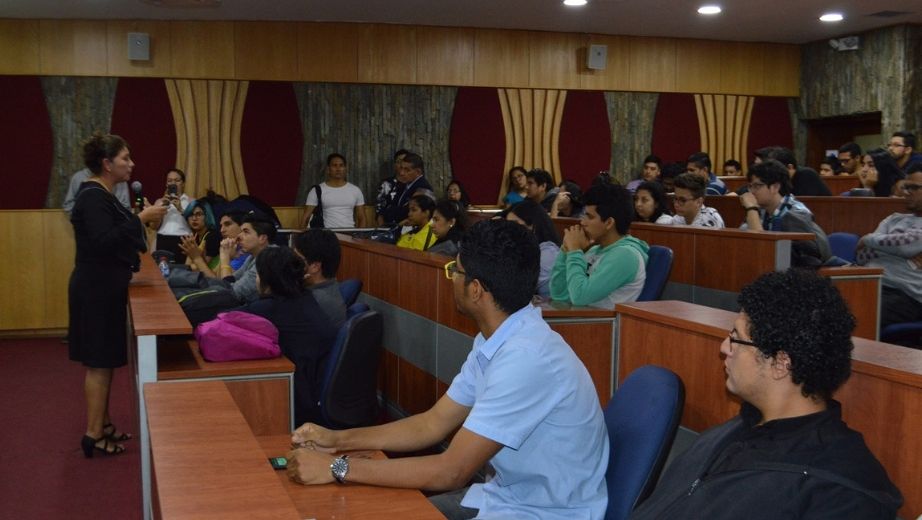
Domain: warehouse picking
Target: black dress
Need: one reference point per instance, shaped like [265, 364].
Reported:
[108, 239]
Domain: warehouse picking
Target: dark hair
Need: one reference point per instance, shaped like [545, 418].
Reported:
[416, 162]
[779, 153]
[771, 171]
[451, 210]
[604, 178]
[210, 222]
[734, 163]
[510, 183]
[658, 194]
[851, 148]
[535, 216]
[693, 183]
[402, 151]
[576, 196]
[653, 159]
[425, 202]
[887, 172]
[801, 313]
[672, 170]
[335, 156]
[504, 257]
[182, 174]
[281, 271]
[833, 163]
[541, 177]
[320, 245]
[99, 147]
[613, 201]
[235, 214]
[909, 139]
[465, 200]
[700, 160]
[261, 225]
[915, 167]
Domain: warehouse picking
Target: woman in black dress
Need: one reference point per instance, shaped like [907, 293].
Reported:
[108, 239]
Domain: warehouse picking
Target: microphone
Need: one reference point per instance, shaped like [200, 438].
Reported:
[138, 198]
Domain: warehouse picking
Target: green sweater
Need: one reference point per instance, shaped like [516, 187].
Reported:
[602, 276]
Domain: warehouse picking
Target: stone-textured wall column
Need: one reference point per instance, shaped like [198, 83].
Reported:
[631, 116]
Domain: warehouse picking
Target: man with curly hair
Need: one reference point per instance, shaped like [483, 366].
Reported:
[788, 454]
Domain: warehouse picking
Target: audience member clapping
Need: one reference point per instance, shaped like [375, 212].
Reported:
[201, 247]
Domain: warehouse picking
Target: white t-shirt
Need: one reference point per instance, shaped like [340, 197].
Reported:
[338, 204]
[173, 223]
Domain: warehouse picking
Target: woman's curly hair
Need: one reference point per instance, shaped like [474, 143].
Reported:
[801, 313]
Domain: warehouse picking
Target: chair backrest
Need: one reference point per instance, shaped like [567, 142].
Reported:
[349, 393]
[350, 289]
[642, 419]
[843, 245]
[659, 265]
[356, 309]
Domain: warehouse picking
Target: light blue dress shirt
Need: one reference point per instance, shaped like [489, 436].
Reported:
[529, 392]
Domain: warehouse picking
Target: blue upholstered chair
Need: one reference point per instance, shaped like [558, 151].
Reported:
[659, 265]
[350, 289]
[349, 393]
[356, 309]
[908, 334]
[843, 245]
[642, 420]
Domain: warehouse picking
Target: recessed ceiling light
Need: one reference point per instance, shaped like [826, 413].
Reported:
[709, 9]
[832, 17]
[574, 3]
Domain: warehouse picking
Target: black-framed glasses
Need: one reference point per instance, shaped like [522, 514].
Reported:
[739, 341]
[451, 269]
[756, 185]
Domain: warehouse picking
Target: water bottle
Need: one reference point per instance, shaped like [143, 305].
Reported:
[164, 267]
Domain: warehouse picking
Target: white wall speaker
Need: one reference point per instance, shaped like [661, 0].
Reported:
[597, 57]
[138, 46]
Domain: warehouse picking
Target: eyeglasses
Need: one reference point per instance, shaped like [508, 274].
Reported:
[682, 200]
[756, 185]
[739, 341]
[896, 145]
[451, 269]
[910, 188]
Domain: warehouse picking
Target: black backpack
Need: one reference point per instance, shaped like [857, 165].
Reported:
[317, 216]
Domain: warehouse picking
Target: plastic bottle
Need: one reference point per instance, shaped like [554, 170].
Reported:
[164, 267]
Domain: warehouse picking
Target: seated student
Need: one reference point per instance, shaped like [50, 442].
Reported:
[879, 172]
[455, 192]
[732, 168]
[305, 334]
[448, 224]
[670, 172]
[229, 228]
[516, 189]
[613, 269]
[202, 246]
[896, 246]
[804, 181]
[420, 235]
[321, 253]
[650, 204]
[568, 202]
[523, 402]
[830, 166]
[652, 168]
[540, 187]
[700, 164]
[771, 206]
[689, 204]
[256, 234]
[788, 454]
[531, 215]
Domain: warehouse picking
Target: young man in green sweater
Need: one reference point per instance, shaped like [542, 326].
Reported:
[600, 263]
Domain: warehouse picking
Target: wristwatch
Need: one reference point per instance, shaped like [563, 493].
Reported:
[339, 468]
[752, 208]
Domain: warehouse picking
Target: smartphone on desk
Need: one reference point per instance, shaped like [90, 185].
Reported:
[278, 462]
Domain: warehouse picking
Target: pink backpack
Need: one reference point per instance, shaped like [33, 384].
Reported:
[236, 336]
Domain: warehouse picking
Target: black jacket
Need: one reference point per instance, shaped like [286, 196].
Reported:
[805, 467]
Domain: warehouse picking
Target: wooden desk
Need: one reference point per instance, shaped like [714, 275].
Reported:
[882, 398]
[352, 501]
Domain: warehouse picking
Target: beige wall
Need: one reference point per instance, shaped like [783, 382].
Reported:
[376, 53]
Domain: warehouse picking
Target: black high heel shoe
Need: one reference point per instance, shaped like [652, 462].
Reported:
[109, 430]
[108, 447]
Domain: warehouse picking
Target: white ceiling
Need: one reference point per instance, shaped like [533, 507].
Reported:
[784, 21]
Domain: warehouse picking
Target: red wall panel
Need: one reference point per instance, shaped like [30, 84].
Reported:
[271, 142]
[585, 137]
[675, 128]
[25, 131]
[770, 125]
[477, 145]
[142, 116]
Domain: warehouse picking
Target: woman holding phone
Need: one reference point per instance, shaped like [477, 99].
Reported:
[173, 226]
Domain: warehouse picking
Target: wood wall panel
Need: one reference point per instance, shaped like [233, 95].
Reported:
[202, 49]
[266, 50]
[592, 343]
[264, 404]
[863, 298]
[387, 54]
[697, 66]
[416, 389]
[58, 242]
[780, 70]
[418, 289]
[552, 59]
[382, 280]
[327, 52]
[750, 259]
[616, 75]
[501, 58]
[73, 47]
[21, 306]
[445, 56]
[653, 64]
[160, 62]
[740, 68]
[19, 47]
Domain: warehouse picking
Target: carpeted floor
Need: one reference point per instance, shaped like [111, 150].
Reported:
[43, 473]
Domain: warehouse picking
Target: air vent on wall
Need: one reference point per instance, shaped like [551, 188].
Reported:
[182, 4]
[889, 14]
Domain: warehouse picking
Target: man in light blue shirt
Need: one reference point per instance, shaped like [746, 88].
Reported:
[523, 401]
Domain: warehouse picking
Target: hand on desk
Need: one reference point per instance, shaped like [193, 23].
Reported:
[314, 437]
[308, 466]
